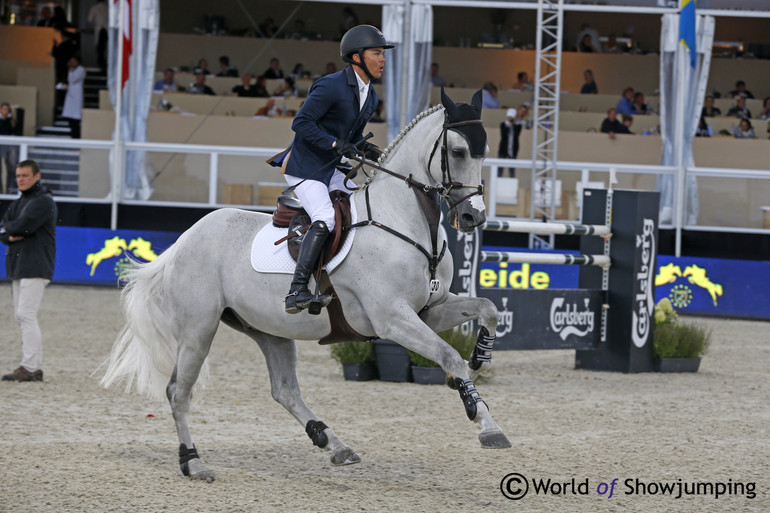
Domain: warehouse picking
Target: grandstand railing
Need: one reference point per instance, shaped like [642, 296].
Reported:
[491, 165]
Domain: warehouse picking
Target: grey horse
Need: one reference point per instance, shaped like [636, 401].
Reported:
[174, 304]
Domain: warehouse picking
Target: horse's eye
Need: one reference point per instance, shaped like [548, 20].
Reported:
[458, 154]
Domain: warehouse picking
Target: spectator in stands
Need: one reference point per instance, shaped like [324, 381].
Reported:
[261, 88]
[299, 31]
[595, 44]
[704, 129]
[744, 130]
[586, 46]
[62, 52]
[739, 110]
[29, 231]
[740, 90]
[523, 83]
[98, 17]
[489, 96]
[509, 140]
[612, 45]
[268, 29]
[167, 83]
[330, 68]
[435, 78]
[639, 105]
[73, 102]
[59, 20]
[199, 86]
[611, 125]
[626, 103]
[765, 114]
[202, 67]
[245, 89]
[709, 110]
[286, 88]
[589, 84]
[225, 70]
[45, 17]
[274, 71]
[627, 120]
[8, 152]
[349, 20]
[299, 71]
[270, 109]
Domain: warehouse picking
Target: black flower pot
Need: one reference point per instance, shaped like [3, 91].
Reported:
[392, 361]
[428, 375]
[675, 364]
[359, 371]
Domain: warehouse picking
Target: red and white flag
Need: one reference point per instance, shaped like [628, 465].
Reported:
[128, 30]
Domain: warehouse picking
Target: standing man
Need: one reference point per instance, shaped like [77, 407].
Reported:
[73, 102]
[327, 126]
[29, 230]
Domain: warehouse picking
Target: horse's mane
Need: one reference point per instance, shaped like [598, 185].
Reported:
[422, 115]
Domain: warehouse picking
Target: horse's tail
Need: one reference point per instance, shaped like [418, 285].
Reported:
[144, 354]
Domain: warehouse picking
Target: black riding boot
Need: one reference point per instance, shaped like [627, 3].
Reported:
[299, 296]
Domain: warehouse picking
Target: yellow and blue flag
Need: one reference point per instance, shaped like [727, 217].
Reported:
[687, 28]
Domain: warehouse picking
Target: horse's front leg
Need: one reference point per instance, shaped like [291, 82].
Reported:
[457, 310]
[404, 326]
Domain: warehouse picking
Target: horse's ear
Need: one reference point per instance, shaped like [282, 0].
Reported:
[476, 101]
[449, 105]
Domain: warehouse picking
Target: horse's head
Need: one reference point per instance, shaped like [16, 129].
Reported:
[464, 146]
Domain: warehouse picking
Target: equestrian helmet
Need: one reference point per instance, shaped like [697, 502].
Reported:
[359, 38]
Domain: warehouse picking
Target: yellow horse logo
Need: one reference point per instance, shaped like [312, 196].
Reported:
[697, 276]
[143, 249]
[112, 247]
[668, 274]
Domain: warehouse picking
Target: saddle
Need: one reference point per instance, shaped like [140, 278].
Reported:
[289, 214]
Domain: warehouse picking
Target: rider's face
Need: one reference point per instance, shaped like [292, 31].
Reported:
[374, 58]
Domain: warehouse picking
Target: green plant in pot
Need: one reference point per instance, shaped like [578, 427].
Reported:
[357, 359]
[427, 372]
[677, 346]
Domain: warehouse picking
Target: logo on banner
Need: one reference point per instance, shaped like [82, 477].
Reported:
[568, 319]
[465, 254]
[644, 302]
[681, 295]
[116, 247]
[504, 320]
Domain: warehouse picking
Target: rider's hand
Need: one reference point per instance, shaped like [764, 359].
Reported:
[371, 150]
[345, 148]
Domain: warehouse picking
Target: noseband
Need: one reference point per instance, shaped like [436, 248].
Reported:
[447, 184]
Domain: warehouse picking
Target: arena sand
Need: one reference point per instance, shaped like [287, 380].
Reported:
[69, 445]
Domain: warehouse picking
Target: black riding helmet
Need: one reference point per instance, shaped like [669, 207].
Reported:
[358, 39]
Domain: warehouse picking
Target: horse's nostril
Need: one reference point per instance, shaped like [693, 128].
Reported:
[467, 219]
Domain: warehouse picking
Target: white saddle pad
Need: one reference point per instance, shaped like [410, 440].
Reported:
[266, 257]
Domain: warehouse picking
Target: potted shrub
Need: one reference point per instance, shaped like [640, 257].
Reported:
[426, 371]
[357, 359]
[677, 346]
[392, 361]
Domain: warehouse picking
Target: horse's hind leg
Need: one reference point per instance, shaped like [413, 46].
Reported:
[194, 346]
[281, 358]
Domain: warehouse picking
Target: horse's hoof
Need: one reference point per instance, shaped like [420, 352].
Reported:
[495, 440]
[345, 456]
[204, 475]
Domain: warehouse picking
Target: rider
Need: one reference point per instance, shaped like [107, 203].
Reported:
[327, 127]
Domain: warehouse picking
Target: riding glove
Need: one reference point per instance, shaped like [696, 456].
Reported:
[345, 148]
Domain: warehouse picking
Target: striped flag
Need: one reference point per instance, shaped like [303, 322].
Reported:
[128, 30]
[687, 28]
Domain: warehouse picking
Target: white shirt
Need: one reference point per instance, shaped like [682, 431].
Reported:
[97, 16]
[363, 92]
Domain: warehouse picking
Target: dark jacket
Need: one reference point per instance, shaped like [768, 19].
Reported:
[33, 216]
[330, 112]
[614, 126]
[505, 131]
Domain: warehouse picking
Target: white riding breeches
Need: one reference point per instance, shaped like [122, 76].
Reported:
[314, 196]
